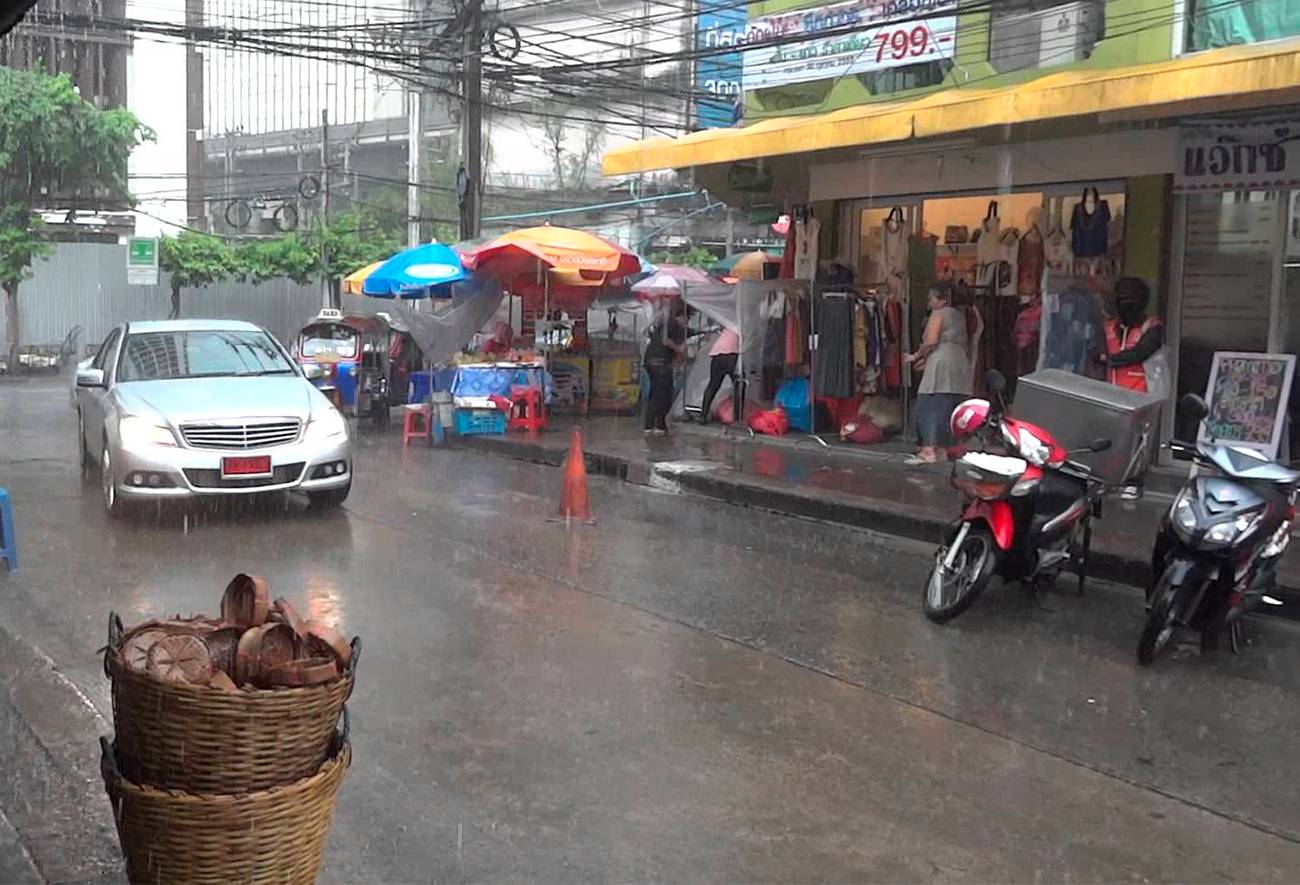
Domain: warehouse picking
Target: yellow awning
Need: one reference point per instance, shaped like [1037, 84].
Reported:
[1235, 77]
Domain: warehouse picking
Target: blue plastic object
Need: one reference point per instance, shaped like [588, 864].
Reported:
[8, 542]
[792, 396]
[480, 421]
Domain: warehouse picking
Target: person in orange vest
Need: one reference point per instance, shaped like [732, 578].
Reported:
[1132, 337]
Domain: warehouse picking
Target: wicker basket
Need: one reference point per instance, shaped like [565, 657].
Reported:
[272, 836]
[186, 737]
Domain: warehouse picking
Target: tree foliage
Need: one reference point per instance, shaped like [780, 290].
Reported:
[347, 243]
[696, 256]
[54, 147]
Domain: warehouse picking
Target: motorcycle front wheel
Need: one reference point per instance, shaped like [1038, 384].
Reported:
[1161, 620]
[953, 589]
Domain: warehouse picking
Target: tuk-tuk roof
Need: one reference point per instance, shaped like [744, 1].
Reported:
[367, 324]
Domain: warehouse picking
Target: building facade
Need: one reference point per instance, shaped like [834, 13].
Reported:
[1152, 138]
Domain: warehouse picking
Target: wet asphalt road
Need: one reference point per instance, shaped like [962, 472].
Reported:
[685, 691]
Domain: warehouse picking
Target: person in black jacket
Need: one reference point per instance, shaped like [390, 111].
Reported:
[667, 342]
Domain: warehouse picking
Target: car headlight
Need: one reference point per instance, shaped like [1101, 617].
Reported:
[1229, 531]
[1182, 515]
[325, 425]
[139, 433]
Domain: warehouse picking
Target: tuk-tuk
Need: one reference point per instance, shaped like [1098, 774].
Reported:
[364, 361]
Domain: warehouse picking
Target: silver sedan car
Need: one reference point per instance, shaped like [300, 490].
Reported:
[186, 408]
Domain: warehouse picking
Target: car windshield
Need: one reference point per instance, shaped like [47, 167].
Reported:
[203, 353]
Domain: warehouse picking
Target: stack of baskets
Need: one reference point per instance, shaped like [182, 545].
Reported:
[231, 741]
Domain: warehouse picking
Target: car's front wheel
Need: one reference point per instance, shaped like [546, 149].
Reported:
[113, 502]
[329, 498]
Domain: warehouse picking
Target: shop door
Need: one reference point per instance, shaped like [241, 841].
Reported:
[1228, 293]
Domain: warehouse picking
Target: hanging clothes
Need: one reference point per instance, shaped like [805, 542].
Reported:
[893, 371]
[893, 245]
[1030, 259]
[860, 335]
[786, 270]
[796, 330]
[1009, 248]
[806, 233]
[1090, 229]
[987, 247]
[834, 330]
[1056, 249]
[1075, 336]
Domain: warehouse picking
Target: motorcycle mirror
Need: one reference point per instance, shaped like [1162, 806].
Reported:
[1195, 405]
[1100, 445]
[995, 381]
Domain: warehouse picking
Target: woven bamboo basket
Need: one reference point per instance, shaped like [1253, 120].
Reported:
[194, 738]
[267, 836]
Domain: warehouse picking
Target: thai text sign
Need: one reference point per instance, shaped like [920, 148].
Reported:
[1232, 157]
[1247, 395]
[720, 23]
[848, 38]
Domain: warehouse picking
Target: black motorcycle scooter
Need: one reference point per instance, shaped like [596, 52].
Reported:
[1218, 547]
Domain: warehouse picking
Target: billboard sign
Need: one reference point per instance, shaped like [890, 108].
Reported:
[842, 39]
[720, 23]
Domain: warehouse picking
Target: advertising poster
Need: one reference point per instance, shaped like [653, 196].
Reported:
[1247, 395]
[842, 39]
[720, 23]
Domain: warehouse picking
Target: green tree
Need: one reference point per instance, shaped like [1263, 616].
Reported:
[348, 242]
[696, 256]
[290, 257]
[195, 260]
[52, 142]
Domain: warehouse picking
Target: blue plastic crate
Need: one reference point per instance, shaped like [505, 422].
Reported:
[472, 421]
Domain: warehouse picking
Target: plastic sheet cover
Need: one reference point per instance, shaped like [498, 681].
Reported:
[443, 333]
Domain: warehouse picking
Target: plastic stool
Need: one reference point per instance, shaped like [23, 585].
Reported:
[526, 409]
[8, 542]
[421, 429]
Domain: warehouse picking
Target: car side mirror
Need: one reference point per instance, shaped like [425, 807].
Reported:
[313, 371]
[1100, 445]
[90, 377]
[1195, 405]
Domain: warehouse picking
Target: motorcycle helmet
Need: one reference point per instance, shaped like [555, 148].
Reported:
[969, 416]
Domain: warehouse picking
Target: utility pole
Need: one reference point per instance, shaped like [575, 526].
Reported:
[414, 131]
[469, 180]
[327, 285]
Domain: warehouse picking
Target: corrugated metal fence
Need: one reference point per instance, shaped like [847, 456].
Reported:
[84, 284]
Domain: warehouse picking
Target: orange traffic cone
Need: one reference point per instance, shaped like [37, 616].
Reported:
[574, 503]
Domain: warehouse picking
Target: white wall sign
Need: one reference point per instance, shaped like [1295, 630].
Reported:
[1232, 157]
[881, 37]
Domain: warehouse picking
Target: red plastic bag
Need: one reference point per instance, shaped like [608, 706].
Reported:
[862, 432]
[771, 422]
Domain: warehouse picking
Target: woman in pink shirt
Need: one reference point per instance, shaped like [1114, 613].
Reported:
[722, 364]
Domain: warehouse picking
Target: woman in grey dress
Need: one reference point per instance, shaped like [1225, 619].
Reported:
[946, 380]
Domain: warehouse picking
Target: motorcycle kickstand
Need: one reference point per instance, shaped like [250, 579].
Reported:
[1234, 636]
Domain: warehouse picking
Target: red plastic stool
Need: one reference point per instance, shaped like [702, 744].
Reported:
[526, 409]
[417, 429]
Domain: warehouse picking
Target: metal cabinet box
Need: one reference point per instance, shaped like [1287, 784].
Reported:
[1078, 410]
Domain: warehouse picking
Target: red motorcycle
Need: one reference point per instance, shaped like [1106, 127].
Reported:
[1028, 511]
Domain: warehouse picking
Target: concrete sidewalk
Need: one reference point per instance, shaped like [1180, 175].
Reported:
[866, 487]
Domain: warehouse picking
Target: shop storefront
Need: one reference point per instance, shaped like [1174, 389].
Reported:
[1235, 261]
[1008, 227]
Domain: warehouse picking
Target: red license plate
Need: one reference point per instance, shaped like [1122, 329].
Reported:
[256, 466]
